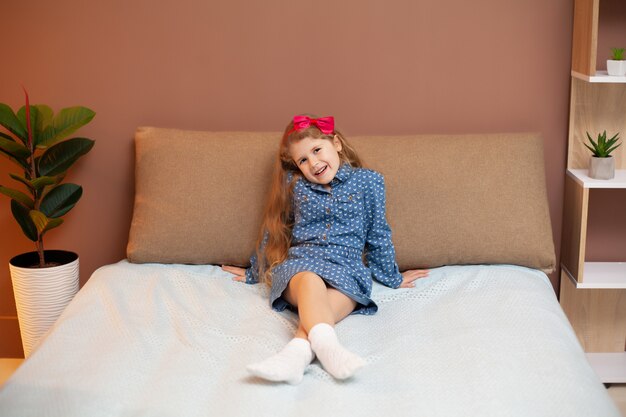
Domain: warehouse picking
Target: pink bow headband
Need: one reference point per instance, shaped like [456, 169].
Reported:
[325, 124]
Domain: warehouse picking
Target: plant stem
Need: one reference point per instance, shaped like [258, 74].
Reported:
[33, 174]
[31, 142]
[39, 245]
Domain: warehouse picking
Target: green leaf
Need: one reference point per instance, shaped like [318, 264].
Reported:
[603, 147]
[41, 182]
[21, 162]
[18, 196]
[64, 124]
[7, 137]
[21, 215]
[52, 224]
[42, 222]
[60, 200]
[46, 115]
[608, 151]
[40, 116]
[600, 143]
[618, 54]
[613, 140]
[12, 123]
[37, 183]
[593, 151]
[595, 145]
[22, 180]
[57, 159]
[36, 120]
[13, 148]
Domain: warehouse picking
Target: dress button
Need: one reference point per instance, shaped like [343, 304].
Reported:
[328, 211]
[324, 237]
[328, 225]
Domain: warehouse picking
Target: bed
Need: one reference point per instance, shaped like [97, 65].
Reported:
[166, 332]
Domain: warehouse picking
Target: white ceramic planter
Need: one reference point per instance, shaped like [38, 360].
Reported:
[616, 68]
[41, 294]
[602, 168]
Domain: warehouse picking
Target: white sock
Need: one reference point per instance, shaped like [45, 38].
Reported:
[287, 365]
[336, 360]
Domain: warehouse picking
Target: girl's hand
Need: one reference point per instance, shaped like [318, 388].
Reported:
[239, 273]
[408, 277]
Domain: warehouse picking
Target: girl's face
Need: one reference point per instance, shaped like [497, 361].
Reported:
[318, 159]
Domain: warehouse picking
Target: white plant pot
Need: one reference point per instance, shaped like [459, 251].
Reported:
[41, 294]
[602, 168]
[616, 68]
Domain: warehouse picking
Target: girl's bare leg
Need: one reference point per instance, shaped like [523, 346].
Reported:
[319, 305]
[340, 305]
[319, 308]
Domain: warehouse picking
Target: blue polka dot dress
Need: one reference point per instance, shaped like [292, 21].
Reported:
[332, 230]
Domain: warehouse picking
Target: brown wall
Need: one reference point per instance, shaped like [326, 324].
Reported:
[606, 227]
[392, 67]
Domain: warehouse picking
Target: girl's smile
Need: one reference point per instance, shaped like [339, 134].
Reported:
[317, 158]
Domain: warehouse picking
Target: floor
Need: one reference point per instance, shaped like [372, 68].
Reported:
[7, 366]
[617, 391]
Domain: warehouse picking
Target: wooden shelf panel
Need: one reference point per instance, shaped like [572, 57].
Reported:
[610, 367]
[600, 275]
[581, 177]
[598, 315]
[585, 36]
[594, 108]
[603, 275]
[599, 77]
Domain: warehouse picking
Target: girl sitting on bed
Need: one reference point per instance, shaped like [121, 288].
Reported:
[323, 213]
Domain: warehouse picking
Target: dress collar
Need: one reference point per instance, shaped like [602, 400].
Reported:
[343, 173]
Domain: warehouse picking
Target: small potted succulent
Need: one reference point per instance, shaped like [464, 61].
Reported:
[36, 141]
[602, 164]
[616, 66]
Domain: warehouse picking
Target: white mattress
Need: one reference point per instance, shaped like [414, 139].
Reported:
[174, 340]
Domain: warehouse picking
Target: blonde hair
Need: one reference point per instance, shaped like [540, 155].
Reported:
[275, 236]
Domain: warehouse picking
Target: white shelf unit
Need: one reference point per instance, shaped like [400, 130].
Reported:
[593, 294]
[602, 275]
[600, 77]
[610, 367]
[581, 177]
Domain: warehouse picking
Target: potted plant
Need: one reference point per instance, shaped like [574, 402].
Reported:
[617, 64]
[44, 281]
[602, 164]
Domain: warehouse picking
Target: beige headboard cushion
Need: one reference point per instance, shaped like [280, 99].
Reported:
[453, 199]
